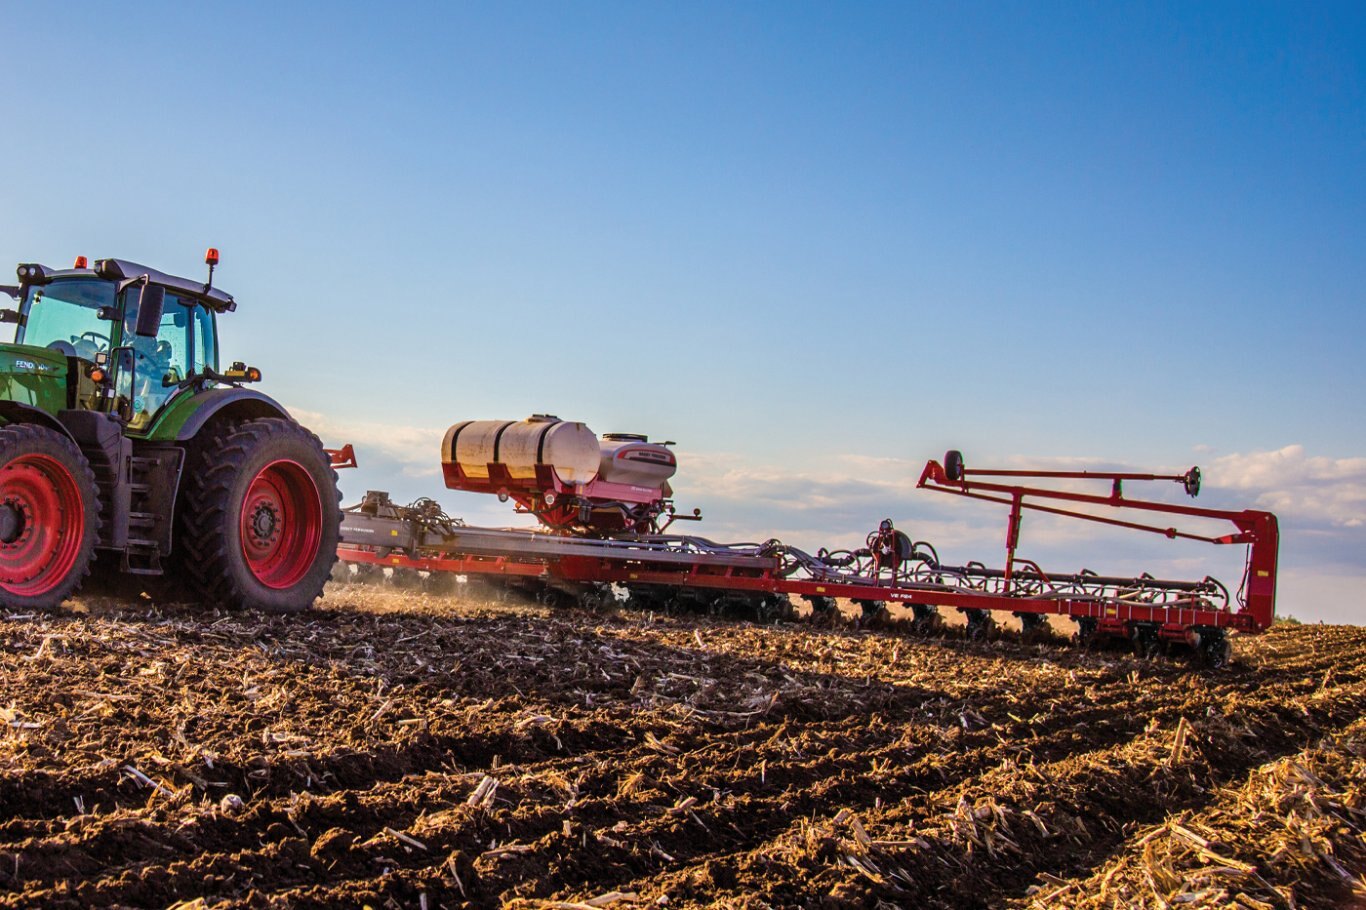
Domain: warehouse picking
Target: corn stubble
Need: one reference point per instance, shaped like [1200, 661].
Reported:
[403, 750]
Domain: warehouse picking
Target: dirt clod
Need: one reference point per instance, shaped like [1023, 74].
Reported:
[402, 750]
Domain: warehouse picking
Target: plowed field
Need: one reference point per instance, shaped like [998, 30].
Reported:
[406, 751]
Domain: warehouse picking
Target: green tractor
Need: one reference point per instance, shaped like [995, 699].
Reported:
[124, 450]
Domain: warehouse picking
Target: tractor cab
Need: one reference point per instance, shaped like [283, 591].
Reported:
[122, 338]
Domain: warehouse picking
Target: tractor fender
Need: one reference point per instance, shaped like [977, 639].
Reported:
[243, 404]
[16, 412]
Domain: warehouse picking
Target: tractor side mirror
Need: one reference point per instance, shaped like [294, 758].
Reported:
[10, 315]
[151, 302]
[13, 316]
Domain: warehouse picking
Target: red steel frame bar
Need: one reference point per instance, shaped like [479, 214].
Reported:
[1257, 529]
[345, 457]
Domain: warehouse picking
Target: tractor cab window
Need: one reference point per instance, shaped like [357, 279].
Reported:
[64, 316]
[205, 347]
[151, 368]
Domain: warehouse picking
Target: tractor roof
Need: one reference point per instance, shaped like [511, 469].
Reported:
[120, 269]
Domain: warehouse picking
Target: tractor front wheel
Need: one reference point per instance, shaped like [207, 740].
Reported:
[260, 516]
[49, 517]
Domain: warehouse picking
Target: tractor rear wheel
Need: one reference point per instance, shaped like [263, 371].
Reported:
[260, 516]
[49, 517]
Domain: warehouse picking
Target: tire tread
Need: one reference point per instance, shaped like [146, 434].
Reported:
[207, 511]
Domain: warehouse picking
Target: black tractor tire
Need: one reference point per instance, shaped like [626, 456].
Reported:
[49, 517]
[259, 516]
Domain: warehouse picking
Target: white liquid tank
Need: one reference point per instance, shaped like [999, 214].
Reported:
[569, 448]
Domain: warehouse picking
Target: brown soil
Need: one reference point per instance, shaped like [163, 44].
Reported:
[398, 750]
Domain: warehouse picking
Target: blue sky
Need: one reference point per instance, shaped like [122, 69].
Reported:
[815, 244]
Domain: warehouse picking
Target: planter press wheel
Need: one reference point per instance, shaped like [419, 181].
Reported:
[872, 611]
[1215, 650]
[980, 625]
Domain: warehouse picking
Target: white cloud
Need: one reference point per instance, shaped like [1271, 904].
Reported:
[1314, 490]
[731, 477]
[417, 450]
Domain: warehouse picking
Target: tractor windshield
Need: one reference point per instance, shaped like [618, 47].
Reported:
[64, 316]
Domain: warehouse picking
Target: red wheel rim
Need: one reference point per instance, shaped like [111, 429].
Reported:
[281, 524]
[42, 524]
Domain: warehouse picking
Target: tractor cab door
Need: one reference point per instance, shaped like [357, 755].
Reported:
[151, 369]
